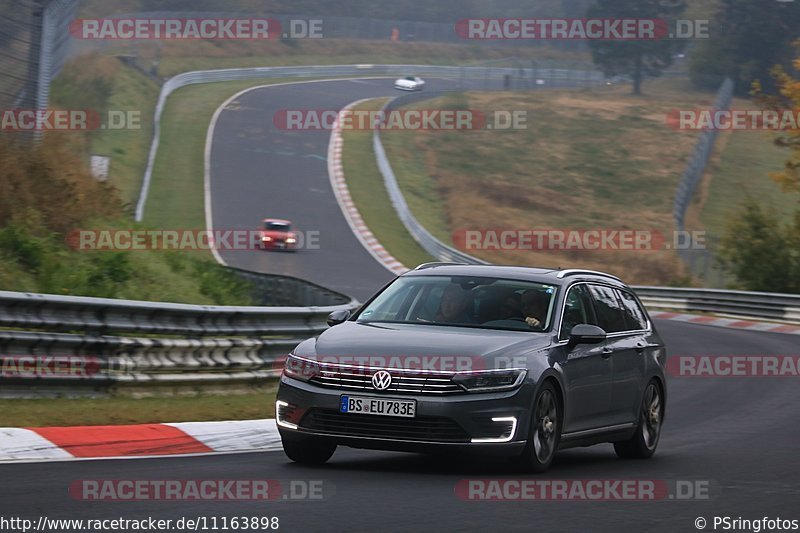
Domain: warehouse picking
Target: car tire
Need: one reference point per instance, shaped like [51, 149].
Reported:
[308, 450]
[643, 443]
[544, 432]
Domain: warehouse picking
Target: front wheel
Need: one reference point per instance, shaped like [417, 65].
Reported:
[644, 442]
[308, 450]
[544, 433]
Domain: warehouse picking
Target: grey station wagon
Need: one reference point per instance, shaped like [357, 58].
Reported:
[492, 359]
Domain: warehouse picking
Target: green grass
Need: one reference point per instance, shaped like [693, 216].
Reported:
[102, 84]
[590, 158]
[419, 186]
[366, 187]
[587, 158]
[118, 410]
[742, 169]
[128, 148]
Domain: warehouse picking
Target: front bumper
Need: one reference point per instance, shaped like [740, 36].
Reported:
[277, 245]
[442, 422]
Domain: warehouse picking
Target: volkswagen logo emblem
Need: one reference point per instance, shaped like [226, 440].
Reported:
[381, 380]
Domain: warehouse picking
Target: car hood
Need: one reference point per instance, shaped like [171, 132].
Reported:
[390, 340]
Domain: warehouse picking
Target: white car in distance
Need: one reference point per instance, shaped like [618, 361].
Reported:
[409, 83]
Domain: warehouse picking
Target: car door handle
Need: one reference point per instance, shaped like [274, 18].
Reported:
[640, 346]
[606, 353]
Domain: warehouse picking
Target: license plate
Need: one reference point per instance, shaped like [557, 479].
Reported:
[377, 406]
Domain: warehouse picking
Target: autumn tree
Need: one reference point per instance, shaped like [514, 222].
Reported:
[640, 58]
[759, 249]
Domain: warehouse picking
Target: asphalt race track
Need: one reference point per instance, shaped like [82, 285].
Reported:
[740, 435]
[260, 171]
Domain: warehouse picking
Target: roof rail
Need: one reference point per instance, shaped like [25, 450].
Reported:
[578, 271]
[432, 264]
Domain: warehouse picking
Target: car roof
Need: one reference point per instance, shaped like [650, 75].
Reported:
[551, 276]
[277, 220]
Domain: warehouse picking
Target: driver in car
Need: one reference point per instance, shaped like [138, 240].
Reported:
[453, 307]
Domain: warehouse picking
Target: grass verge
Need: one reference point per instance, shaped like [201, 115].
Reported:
[366, 187]
[742, 169]
[586, 159]
[126, 410]
[101, 84]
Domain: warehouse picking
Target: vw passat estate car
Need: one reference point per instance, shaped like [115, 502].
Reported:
[493, 359]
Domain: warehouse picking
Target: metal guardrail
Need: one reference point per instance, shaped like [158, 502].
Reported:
[700, 260]
[69, 345]
[700, 157]
[436, 248]
[765, 305]
[493, 75]
[67, 340]
[276, 290]
[104, 316]
[80, 344]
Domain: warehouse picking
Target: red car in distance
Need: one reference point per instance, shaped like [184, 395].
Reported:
[277, 234]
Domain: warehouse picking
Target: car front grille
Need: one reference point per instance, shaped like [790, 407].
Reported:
[403, 381]
[430, 429]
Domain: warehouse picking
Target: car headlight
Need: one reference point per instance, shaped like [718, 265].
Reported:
[266, 238]
[298, 368]
[493, 380]
[291, 240]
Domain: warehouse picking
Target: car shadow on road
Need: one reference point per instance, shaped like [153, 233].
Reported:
[599, 460]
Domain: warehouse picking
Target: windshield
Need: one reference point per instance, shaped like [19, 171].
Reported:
[489, 303]
[277, 226]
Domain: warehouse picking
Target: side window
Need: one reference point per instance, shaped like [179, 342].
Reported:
[634, 316]
[609, 311]
[577, 310]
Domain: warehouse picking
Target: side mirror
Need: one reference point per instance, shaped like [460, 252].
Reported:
[585, 334]
[337, 317]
